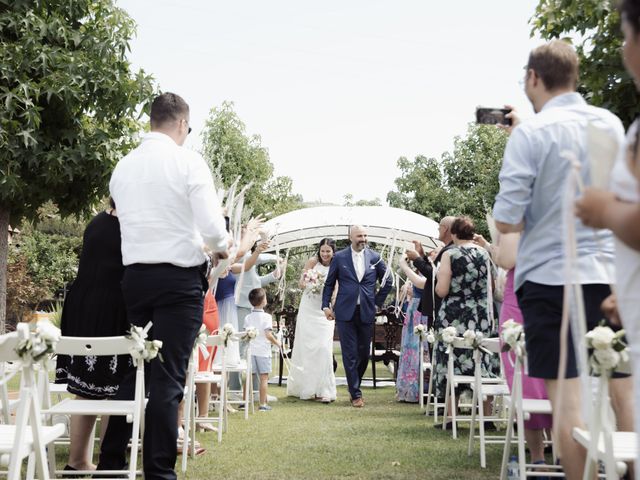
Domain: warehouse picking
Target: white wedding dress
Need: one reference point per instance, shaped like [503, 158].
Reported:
[311, 373]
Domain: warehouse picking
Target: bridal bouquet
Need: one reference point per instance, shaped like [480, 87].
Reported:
[314, 281]
[609, 349]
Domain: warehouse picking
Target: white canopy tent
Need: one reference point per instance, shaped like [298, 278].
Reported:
[308, 226]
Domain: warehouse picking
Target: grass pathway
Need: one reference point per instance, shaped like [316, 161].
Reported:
[309, 440]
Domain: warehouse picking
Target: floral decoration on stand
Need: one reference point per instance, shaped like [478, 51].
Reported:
[40, 344]
[227, 333]
[143, 349]
[609, 349]
[513, 338]
[249, 334]
[314, 281]
[421, 331]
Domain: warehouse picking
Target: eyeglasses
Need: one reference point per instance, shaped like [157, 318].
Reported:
[189, 130]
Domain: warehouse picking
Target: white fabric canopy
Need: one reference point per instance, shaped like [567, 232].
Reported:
[308, 226]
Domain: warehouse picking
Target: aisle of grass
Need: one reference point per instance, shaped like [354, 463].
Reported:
[309, 440]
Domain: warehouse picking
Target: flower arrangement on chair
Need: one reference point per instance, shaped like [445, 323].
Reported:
[143, 349]
[609, 349]
[513, 338]
[447, 335]
[249, 334]
[40, 344]
[226, 333]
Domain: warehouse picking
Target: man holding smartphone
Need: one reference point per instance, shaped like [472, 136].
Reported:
[532, 185]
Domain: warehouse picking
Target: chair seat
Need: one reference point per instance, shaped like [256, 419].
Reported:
[207, 377]
[69, 406]
[625, 444]
[8, 432]
[533, 405]
[58, 388]
[493, 389]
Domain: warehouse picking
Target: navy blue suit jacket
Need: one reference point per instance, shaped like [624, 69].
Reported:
[343, 271]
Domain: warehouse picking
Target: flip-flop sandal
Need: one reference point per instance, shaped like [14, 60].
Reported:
[199, 450]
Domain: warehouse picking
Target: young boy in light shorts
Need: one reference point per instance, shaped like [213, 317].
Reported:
[261, 346]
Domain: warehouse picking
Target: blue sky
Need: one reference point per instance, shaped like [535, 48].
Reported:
[338, 90]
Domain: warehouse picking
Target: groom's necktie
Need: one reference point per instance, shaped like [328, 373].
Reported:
[359, 264]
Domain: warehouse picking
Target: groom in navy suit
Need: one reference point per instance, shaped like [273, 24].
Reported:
[357, 270]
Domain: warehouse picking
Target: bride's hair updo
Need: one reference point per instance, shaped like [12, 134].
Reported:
[463, 228]
[326, 241]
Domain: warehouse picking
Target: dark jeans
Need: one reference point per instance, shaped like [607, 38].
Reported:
[355, 342]
[172, 298]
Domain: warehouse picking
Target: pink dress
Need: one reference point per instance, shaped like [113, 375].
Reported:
[531, 387]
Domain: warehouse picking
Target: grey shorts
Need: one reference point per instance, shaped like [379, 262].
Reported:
[260, 365]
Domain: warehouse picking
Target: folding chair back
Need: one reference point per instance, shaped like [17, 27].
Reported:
[133, 410]
[28, 437]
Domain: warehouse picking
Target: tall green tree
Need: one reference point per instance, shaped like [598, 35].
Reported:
[234, 153]
[464, 182]
[594, 28]
[70, 106]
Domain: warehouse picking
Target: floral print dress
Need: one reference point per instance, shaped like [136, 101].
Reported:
[465, 308]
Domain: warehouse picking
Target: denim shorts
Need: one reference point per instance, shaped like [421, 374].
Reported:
[541, 307]
[260, 365]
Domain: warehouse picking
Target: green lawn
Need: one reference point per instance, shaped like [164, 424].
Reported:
[307, 440]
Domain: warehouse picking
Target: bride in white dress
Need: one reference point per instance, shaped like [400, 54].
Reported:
[311, 374]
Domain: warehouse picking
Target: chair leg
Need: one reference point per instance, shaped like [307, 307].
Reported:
[507, 442]
[472, 425]
[280, 367]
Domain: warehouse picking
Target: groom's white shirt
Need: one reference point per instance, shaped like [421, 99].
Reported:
[358, 264]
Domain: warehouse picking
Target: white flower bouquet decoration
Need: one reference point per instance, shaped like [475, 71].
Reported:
[609, 349]
[314, 281]
[201, 341]
[513, 338]
[226, 333]
[40, 344]
[143, 349]
[447, 335]
[473, 339]
[421, 331]
[249, 334]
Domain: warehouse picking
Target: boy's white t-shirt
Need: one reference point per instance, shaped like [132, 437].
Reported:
[261, 321]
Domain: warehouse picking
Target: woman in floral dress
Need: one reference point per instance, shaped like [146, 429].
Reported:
[462, 283]
[409, 366]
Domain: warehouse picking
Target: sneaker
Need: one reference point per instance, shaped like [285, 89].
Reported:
[241, 406]
[270, 398]
[264, 408]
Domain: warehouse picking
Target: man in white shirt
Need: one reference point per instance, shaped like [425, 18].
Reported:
[532, 185]
[168, 209]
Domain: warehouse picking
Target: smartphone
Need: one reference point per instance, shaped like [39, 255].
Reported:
[492, 116]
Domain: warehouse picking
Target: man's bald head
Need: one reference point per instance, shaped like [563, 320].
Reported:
[445, 229]
[358, 237]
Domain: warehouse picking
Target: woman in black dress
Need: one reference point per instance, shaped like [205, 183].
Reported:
[94, 308]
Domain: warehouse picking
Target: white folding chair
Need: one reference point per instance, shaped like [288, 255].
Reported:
[614, 449]
[483, 389]
[520, 410]
[432, 399]
[8, 406]
[240, 367]
[27, 437]
[133, 410]
[424, 367]
[194, 377]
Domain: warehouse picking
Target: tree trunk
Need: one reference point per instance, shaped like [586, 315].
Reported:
[4, 251]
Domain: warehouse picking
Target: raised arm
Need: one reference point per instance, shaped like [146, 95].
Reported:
[416, 279]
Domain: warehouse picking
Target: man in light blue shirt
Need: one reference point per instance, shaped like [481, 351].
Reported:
[532, 184]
